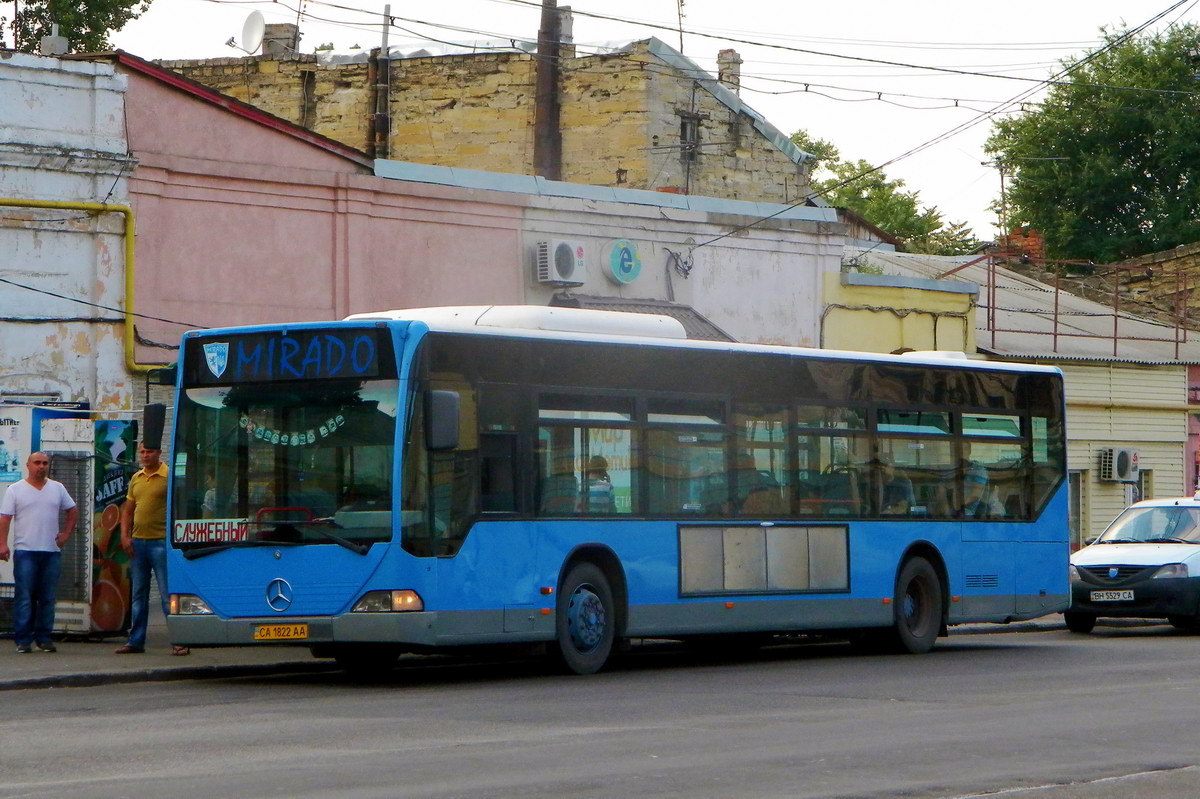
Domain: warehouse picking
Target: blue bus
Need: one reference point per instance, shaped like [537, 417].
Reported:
[416, 480]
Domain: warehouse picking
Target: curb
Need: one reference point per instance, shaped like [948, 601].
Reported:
[167, 674]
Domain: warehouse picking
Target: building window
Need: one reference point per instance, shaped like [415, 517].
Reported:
[1076, 480]
[689, 136]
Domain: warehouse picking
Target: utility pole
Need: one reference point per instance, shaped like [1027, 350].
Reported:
[547, 132]
[382, 128]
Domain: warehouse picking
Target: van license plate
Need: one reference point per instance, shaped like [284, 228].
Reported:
[280, 632]
[1112, 596]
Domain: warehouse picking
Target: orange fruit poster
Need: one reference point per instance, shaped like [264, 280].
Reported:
[116, 461]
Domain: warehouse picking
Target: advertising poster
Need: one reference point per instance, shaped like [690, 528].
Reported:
[116, 462]
[12, 437]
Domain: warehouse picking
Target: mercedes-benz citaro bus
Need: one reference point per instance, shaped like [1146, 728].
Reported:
[415, 480]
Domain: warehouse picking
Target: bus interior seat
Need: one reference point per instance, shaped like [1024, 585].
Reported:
[560, 495]
[839, 491]
[763, 501]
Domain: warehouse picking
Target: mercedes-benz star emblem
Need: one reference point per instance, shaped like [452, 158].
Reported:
[279, 595]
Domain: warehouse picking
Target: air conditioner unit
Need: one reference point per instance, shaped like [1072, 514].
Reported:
[1119, 465]
[560, 262]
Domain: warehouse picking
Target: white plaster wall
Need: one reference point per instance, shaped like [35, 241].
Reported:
[62, 139]
[761, 285]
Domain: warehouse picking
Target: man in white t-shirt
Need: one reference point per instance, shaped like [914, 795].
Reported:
[31, 508]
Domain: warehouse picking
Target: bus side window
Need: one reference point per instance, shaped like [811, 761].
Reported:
[500, 408]
[497, 473]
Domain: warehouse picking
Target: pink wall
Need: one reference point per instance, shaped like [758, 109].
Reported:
[1191, 469]
[241, 223]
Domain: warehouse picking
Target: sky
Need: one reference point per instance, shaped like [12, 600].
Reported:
[949, 64]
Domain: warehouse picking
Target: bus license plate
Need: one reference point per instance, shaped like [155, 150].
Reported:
[1112, 596]
[280, 632]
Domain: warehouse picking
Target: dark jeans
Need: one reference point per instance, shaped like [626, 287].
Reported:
[36, 578]
[149, 554]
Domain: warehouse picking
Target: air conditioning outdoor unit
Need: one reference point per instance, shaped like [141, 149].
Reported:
[560, 262]
[1119, 465]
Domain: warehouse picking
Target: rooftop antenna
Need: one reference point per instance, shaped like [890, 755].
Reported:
[252, 34]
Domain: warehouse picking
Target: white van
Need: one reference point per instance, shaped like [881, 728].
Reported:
[1145, 565]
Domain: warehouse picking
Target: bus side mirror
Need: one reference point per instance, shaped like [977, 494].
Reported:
[441, 420]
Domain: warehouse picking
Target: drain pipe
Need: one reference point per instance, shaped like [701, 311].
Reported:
[104, 208]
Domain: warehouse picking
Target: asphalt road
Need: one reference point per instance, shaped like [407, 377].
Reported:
[1047, 715]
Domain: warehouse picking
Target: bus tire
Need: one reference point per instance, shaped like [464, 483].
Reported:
[1080, 622]
[585, 621]
[917, 606]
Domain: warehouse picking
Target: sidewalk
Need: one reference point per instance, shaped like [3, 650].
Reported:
[85, 663]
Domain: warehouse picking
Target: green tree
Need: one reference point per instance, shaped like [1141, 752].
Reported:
[1107, 167]
[885, 203]
[85, 23]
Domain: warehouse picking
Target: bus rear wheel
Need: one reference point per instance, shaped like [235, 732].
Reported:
[585, 620]
[917, 606]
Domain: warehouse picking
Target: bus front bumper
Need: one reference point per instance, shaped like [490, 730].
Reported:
[415, 629]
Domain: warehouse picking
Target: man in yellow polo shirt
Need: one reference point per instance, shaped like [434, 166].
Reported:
[144, 539]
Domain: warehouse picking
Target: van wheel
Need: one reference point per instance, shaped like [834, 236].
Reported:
[1080, 622]
[1187, 623]
[585, 620]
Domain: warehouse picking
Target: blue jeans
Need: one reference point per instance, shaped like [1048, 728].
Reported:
[148, 554]
[36, 590]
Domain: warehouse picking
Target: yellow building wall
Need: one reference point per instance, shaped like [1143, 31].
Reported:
[1125, 405]
[885, 318]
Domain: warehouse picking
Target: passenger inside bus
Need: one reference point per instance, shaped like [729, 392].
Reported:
[599, 495]
[896, 496]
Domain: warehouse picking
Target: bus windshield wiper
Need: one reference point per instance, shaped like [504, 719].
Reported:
[321, 526]
[192, 554]
[1166, 539]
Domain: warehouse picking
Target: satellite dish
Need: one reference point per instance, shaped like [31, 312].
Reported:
[252, 32]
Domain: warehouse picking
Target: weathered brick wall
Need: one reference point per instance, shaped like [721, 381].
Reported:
[1168, 283]
[332, 101]
[621, 118]
[605, 122]
[474, 111]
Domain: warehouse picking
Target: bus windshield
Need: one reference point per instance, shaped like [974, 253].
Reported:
[293, 464]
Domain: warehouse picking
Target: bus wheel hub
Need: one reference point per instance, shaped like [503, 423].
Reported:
[586, 619]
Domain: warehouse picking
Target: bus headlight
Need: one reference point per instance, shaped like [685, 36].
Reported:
[189, 605]
[1072, 573]
[388, 602]
[1171, 570]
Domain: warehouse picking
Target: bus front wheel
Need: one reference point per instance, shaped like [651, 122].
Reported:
[585, 620]
[918, 606]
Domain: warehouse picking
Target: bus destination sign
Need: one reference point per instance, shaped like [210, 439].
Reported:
[285, 355]
[210, 531]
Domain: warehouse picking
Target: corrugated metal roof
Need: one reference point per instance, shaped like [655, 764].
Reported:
[534, 185]
[696, 325]
[1026, 305]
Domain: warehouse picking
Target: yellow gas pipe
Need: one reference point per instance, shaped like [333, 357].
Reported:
[104, 208]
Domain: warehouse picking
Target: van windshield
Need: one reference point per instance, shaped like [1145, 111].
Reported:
[1172, 524]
